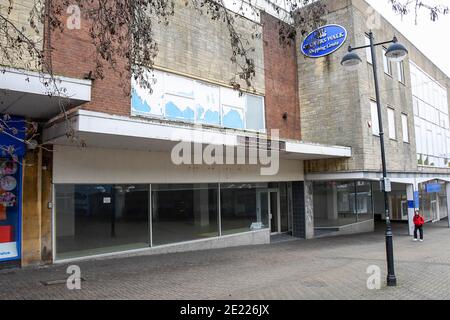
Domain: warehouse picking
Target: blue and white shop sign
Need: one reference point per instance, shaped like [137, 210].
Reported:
[324, 41]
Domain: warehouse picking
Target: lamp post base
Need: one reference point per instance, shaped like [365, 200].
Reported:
[391, 281]
[391, 278]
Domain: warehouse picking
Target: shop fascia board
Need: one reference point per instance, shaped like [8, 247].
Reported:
[86, 122]
[402, 178]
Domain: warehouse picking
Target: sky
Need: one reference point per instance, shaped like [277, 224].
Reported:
[429, 37]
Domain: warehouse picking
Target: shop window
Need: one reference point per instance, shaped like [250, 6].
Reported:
[341, 203]
[10, 186]
[12, 136]
[240, 209]
[97, 219]
[184, 212]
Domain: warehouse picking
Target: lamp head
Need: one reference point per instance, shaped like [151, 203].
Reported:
[396, 52]
[351, 61]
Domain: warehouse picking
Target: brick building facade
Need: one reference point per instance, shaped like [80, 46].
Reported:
[134, 187]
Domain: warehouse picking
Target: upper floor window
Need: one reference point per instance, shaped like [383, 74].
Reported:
[181, 98]
[405, 130]
[401, 71]
[391, 123]
[374, 115]
[386, 63]
[368, 50]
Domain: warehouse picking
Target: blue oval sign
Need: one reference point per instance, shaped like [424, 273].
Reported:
[324, 41]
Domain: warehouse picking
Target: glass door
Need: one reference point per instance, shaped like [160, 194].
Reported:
[268, 202]
[275, 222]
[434, 211]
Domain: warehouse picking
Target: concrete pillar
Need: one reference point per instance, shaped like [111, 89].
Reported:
[332, 211]
[411, 189]
[32, 208]
[119, 202]
[309, 210]
[47, 195]
[201, 206]
[447, 189]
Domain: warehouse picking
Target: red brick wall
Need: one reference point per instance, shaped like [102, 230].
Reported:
[280, 64]
[73, 55]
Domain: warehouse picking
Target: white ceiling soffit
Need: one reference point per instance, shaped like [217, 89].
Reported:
[35, 95]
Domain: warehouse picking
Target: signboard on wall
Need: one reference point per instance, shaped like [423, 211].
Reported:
[10, 187]
[416, 199]
[324, 41]
[433, 188]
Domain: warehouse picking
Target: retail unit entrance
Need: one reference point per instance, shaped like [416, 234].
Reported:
[268, 203]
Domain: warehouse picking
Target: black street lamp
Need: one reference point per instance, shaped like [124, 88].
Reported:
[396, 53]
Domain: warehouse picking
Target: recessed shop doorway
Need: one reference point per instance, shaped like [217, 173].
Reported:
[268, 203]
[434, 211]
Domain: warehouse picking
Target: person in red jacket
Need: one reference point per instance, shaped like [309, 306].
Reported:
[418, 225]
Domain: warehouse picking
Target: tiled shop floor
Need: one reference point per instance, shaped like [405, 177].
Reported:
[328, 268]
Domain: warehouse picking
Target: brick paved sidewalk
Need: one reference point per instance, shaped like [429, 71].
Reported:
[333, 268]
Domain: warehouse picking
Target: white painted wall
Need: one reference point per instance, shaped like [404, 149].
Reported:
[97, 165]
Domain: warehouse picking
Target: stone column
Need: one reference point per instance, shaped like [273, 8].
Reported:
[332, 209]
[309, 210]
[31, 208]
[412, 189]
[447, 189]
[201, 206]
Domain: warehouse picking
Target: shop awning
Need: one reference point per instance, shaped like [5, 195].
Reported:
[34, 95]
[104, 130]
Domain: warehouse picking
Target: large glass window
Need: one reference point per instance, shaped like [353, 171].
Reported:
[104, 218]
[243, 208]
[341, 203]
[10, 208]
[432, 117]
[184, 212]
[96, 219]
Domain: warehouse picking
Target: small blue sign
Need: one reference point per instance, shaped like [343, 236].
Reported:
[417, 199]
[411, 205]
[433, 188]
[324, 41]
